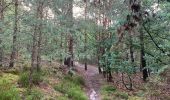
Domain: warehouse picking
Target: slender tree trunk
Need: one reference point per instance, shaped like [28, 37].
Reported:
[71, 51]
[61, 47]
[142, 59]
[85, 36]
[99, 41]
[35, 57]
[98, 54]
[40, 16]
[70, 25]
[14, 46]
[1, 20]
[131, 51]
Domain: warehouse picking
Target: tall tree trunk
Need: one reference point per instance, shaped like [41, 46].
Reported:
[1, 20]
[40, 17]
[142, 59]
[35, 57]
[131, 50]
[71, 50]
[99, 54]
[61, 47]
[99, 46]
[14, 46]
[85, 36]
[70, 25]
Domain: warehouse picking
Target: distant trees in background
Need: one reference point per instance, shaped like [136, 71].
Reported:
[123, 36]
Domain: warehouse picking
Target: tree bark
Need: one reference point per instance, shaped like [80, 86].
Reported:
[142, 59]
[36, 47]
[85, 36]
[70, 25]
[131, 51]
[1, 20]
[40, 17]
[61, 47]
[14, 46]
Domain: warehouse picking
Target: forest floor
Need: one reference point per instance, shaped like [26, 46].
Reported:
[57, 84]
[93, 80]
[95, 83]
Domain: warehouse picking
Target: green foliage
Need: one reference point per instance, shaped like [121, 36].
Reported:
[62, 98]
[37, 77]
[78, 80]
[122, 95]
[71, 87]
[24, 79]
[109, 89]
[8, 91]
[33, 95]
[109, 92]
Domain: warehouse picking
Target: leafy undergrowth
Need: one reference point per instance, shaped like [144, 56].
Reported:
[71, 87]
[12, 90]
[158, 88]
[8, 87]
[50, 84]
[109, 92]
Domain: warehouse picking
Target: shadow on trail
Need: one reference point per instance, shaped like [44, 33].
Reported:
[93, 80]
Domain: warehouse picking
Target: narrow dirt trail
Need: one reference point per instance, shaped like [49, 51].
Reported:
[93, 80]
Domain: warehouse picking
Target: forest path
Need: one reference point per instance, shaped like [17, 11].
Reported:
[93, 80]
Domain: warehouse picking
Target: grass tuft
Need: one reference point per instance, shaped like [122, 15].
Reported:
[71, 87]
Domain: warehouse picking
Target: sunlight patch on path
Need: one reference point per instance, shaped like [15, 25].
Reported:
[93, 95]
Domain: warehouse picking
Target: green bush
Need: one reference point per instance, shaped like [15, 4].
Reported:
[37, 77]
[33, 95]
[75, 79]
[8, 91]
[109, 89]
[72, 88]
[79, 80]
[24, 79]
[122, 95]
[62, 98]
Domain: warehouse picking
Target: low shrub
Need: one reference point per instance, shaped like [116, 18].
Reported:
[108, 89]
[33, 95]
[109, 92]
[122, 95]
[71, 87]
[37, 77]
[62, 98]
[79, 80]
[24, 78]
[75, 79]
[8, 91]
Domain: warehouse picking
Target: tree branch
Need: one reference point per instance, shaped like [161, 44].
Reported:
[152, 39]
[6, 6]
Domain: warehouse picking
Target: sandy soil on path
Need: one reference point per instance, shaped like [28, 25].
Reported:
[93, 80]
